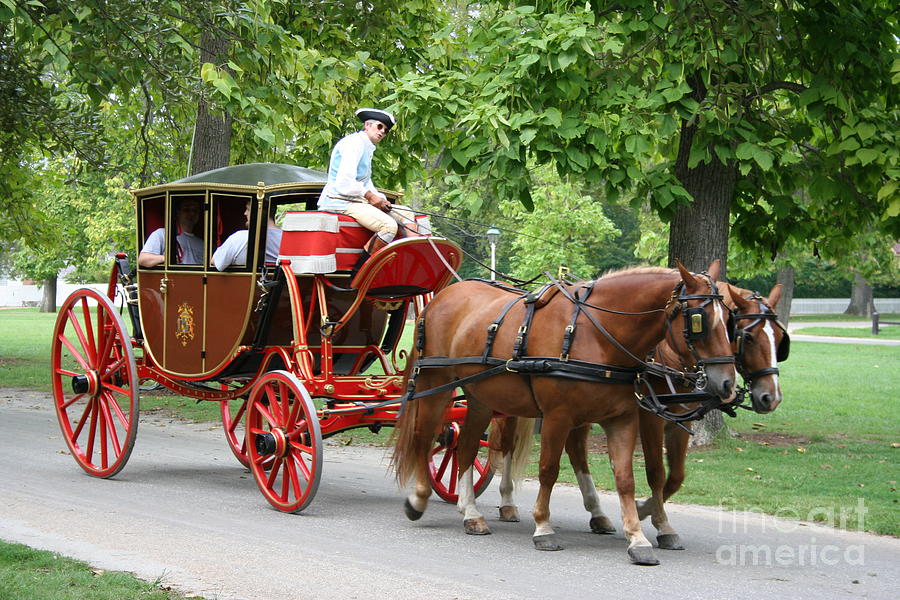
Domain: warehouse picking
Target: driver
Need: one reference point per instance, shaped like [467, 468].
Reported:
[350, 190]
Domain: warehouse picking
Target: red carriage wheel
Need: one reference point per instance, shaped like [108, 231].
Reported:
[443, 466]
[95, 382]
[284, 441]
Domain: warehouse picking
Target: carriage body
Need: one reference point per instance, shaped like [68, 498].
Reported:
[263, 339]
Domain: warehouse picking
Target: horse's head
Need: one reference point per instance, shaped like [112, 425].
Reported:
[761, 342]
[707, 328]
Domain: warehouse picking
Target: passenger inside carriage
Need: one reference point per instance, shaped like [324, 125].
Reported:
[233, 250]
[189, 250]
[349, 189]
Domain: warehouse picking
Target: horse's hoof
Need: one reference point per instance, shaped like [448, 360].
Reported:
[411, 513]
[546, 542]
[476, 527]
[669, 541]
[602, 525]
[509, 514]
[643, 555]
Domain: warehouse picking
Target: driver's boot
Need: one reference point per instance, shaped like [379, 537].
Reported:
[372, 246]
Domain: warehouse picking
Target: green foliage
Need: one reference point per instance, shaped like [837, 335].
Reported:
[636, 94]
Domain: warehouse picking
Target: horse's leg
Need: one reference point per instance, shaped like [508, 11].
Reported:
[576, 448]
[676, 440]
[621, 434]
[427, 415]
[503, 434]
[553, 436]
[652, 431]
[478, 416]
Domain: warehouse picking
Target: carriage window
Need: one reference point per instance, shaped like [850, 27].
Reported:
[234, 219]
[186, 230]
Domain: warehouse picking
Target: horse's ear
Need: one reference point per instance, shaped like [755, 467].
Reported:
[774, 296]
[686, 276]
[742, 304]
[714, 269]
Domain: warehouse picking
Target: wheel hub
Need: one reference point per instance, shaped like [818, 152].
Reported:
[89, 383]
[271, 442]
[448, 437]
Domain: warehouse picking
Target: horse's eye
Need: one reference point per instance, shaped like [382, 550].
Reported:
[748, 338]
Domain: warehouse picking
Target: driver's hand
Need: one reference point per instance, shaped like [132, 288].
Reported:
[378, 201]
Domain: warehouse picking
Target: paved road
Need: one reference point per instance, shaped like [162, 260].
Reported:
[864, 325]
[185, 512]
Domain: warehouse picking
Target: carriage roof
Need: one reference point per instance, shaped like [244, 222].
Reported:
[264, 177]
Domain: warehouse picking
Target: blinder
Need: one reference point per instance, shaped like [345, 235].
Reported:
[695, 323]
[784, 347]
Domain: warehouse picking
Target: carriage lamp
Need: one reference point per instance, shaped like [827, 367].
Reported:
[493, 236]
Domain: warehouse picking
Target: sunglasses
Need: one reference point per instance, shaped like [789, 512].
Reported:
[381, 127]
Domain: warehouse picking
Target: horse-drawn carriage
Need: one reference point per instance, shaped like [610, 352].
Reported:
[294, 349]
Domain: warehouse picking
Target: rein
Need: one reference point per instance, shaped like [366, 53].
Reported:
[564, 367]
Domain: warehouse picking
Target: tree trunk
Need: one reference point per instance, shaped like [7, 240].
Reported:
[48, 299]
[786, 279]
[862, 302]
[699, 231]
[211, 147]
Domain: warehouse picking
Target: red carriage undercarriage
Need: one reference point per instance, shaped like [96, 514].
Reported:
[294, 350]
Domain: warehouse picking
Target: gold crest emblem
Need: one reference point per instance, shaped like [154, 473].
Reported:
[184, 324]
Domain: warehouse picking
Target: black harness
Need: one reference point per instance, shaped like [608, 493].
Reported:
[695, 327]
[744, 334]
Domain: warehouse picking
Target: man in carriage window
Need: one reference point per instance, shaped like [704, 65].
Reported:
[350, 190]
[189, 249]
[233, 250]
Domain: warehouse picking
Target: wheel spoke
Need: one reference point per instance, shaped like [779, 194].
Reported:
[75, 354]
[84, 417]
[110, 424]
[454, 474]
[237, 417]
[273, 474]
[65, 406]
[304, 468]
[291, 469]
[265, 414]
[66, 372]
[273, 406]
[91, 344]
[111, 368]
[92, 432]
[445, 460]
[117, 410]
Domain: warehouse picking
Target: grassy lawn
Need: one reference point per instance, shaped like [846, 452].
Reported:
[831, 444]
[38, 575]
[841, 317]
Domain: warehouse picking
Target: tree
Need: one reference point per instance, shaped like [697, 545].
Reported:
[711, 110]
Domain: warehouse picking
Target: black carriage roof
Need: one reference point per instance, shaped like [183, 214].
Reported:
[251, 175]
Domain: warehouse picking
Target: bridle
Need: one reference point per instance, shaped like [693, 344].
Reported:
[696, 327]
[743, 335]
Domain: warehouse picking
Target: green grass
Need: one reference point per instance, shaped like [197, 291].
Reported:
[886, 332]
[39, 575]
[840, 427]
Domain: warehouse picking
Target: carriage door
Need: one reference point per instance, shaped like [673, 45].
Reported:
[229, 293]
[184, 290]
[172, 293]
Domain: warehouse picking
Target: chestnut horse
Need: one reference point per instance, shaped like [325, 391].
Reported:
[760, 343]
[462, 335]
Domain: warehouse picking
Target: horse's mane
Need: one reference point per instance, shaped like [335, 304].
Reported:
[636, 271]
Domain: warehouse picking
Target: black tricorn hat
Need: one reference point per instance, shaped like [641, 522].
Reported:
[375, 114]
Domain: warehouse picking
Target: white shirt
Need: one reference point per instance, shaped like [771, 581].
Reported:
[234, 250]
[349, 171]
[191, 246]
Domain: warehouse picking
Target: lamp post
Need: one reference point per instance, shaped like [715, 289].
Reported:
[493, 235]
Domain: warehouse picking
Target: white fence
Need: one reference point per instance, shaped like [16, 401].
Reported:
[18, 295]
[836, 306]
